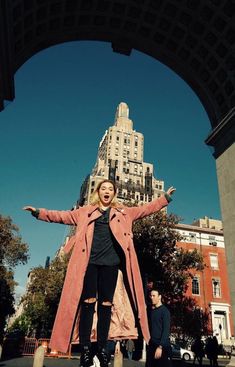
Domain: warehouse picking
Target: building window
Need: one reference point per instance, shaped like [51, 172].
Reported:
[196, 286]
[192, 237]
[117, 138]
[214, 261]
[216, 286]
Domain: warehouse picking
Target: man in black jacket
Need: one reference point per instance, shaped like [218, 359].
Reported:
[159, 348]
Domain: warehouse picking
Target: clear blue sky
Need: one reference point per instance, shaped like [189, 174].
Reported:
[66, 97]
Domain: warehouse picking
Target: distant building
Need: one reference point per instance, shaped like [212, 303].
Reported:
[207, 222]
[121, 159]
[210, 287]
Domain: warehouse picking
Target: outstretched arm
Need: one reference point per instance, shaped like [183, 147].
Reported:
[69, 217]
[152, 207]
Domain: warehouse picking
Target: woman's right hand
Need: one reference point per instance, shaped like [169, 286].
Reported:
[29, 208]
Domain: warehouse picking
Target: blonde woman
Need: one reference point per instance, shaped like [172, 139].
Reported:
[102, 243]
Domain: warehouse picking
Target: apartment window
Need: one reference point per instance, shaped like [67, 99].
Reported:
[196, 286]
[125, 141]
[192, 237]
[212, 241]
[135, 155]
[214, 261]
[136, 143]
[216, 287]
[117, 138]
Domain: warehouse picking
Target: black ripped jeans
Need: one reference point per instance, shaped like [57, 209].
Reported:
[99, 283]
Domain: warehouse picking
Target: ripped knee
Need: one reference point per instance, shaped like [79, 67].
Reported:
[106, 303]
[89, 300]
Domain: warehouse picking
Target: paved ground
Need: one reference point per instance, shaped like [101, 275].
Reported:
[60, 362]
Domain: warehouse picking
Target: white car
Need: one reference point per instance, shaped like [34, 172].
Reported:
[181, 353]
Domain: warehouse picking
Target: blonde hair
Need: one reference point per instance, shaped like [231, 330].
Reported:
[95, 199]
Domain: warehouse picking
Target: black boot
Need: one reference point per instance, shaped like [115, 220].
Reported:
[103, 357]
[86, 359]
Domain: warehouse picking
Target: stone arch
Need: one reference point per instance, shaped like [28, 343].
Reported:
[193, 38]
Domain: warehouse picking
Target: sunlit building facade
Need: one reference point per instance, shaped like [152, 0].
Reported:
[121, 159]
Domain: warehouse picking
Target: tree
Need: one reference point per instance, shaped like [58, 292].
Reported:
[42, 296]
[12, 253]
[168, 266]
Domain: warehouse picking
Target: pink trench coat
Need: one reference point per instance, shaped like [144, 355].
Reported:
[121, 220]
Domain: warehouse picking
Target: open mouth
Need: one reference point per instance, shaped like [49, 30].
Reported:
[106, 197]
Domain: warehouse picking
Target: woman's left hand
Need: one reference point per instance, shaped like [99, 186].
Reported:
[170, 191]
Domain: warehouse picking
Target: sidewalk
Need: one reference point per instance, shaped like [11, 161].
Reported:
[62, 362]
[57, 362]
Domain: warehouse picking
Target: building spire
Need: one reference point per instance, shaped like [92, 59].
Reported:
[122, 111]
[122, 120]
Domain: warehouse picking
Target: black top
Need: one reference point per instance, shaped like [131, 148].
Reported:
[104, 250]
[160, 326]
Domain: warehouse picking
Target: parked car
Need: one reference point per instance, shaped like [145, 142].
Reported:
[181, 353]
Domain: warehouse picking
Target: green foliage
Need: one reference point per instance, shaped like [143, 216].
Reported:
[12, 253]
[21, 325]
[188, 320]
[42, 297]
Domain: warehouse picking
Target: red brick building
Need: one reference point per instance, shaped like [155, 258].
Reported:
[210, 287]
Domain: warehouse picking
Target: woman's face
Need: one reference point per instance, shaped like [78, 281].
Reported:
[106, 193]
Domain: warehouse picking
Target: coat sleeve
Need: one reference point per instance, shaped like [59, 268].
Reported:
[139, 212]
[69, 217]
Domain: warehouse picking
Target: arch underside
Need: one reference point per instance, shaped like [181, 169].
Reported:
[194, 38]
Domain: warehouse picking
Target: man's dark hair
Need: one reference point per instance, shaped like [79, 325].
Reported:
[157, 287]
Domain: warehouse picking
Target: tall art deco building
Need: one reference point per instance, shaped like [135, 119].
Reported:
[121, 159]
